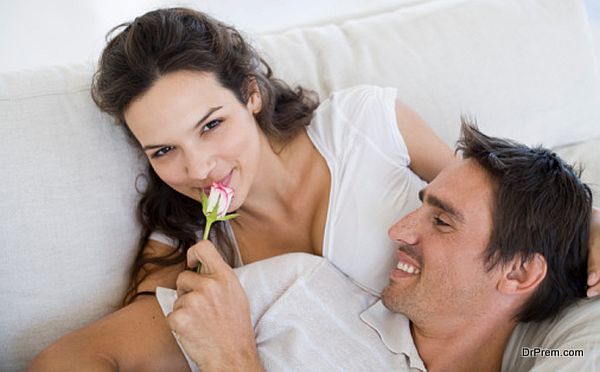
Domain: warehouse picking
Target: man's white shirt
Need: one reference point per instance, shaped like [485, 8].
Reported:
[309, 316]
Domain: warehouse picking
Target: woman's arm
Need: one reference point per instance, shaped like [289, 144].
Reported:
[428, 153]
[158, 276]
[135, 337]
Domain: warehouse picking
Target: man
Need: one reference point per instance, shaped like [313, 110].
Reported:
[501, 237]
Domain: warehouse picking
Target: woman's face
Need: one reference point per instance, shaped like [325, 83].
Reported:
[196, 132]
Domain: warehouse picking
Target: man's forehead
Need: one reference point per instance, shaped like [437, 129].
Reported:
[462, 185]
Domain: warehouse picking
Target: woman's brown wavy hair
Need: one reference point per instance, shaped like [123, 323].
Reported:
[176, 39]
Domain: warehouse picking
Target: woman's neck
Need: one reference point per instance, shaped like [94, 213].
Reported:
[288, 200]
[282, 179]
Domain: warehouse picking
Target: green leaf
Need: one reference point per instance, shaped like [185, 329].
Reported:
[229, 217]
[204, 201]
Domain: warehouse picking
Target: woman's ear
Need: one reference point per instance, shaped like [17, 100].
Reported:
[523, 277]
[254, 98]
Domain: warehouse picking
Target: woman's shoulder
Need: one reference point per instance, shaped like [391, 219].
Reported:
[350, 117]
[352, 108]
[352, 103]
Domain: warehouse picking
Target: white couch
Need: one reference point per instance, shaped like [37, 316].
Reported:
[525, 68]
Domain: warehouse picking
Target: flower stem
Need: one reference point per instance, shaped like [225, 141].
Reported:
[204, 237]
[207, 229]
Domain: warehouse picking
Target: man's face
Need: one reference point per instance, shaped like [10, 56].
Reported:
[440, 273]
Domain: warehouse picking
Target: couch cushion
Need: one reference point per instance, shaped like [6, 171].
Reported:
[67, 223]
[525, 69]
[587, 155]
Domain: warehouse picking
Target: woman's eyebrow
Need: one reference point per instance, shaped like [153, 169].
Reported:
[208, 113]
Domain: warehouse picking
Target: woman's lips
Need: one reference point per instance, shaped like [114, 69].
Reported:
[225, 180]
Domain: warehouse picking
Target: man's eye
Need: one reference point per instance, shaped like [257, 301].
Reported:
[162, 151]
[439, 222]
[211, 125]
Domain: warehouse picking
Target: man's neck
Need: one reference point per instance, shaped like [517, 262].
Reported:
[476, 346]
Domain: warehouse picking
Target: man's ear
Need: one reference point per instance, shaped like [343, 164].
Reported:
[523, 277]
[254, 98]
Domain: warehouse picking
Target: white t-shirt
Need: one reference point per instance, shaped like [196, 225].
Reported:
[355, 130]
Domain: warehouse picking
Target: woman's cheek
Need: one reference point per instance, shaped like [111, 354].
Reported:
[169, 176]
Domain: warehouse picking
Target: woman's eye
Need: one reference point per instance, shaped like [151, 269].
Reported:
[211, 125]
[162, 151]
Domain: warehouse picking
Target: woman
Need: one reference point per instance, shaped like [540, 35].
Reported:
[204, 108]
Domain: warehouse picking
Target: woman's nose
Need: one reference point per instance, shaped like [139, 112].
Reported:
[199, 164]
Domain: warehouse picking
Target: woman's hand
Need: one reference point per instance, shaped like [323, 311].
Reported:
[594, 255]
[211, 316]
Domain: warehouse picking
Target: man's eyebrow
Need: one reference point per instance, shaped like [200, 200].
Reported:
[439, 203]
[208, 113]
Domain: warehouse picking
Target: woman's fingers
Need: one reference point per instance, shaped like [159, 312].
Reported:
[594, 255]
[205, 252]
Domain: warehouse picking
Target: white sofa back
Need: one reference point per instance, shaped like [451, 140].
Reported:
[524, 68]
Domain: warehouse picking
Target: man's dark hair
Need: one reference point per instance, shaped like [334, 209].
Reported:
[540, 206]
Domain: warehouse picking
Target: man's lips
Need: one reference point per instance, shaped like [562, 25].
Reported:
[407, 263]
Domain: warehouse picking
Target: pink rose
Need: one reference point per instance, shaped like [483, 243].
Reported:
[220, 199]
[215, 207]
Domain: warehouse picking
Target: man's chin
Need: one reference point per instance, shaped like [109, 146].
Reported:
[390, 299]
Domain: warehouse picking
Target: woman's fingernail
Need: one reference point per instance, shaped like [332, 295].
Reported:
[592, 278]
[592, 293]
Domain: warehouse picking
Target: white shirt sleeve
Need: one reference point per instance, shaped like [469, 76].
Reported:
[162, 238]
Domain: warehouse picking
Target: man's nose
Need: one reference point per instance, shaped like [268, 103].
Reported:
[405, 230]
[199, 163]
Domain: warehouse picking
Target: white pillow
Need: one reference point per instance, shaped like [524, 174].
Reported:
[525, 69]
[587, 155]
